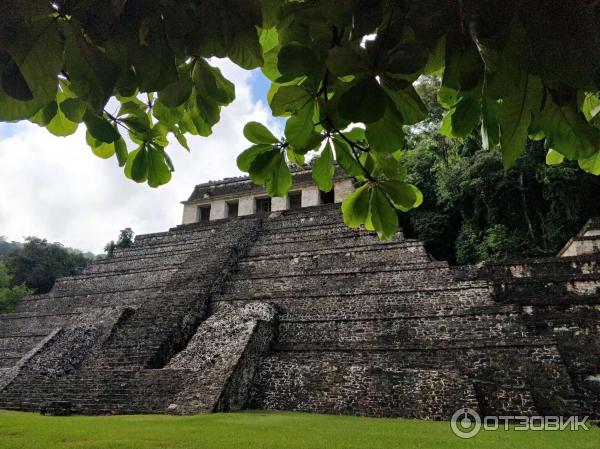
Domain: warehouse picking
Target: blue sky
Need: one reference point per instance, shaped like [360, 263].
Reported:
[259, 86]
[57, 189]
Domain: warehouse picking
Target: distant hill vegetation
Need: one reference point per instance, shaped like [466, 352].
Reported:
[6, 247]
[37, 263]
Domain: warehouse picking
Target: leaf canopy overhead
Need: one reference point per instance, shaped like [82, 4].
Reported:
[343, 71]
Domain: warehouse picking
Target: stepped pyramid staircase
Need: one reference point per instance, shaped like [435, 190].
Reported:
[560, 299]
[297, 312]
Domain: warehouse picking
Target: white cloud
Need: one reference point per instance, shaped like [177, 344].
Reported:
[57, 189]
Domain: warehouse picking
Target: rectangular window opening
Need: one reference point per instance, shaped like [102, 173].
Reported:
[327, 197]
[204, 214]
[232, 209]
[295, 200]
[263, 205]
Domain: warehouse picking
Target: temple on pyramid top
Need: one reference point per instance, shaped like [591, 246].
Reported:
[233, 197]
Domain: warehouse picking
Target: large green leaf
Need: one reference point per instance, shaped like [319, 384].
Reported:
[554, 158]
[13, 82]
[294, 158]
[210, 82]
[386, 166]
[296, 60]
[344, 157]
[193, 122]
[263, 164]
[38, 55]
[207, 109]
[405, 58]
[177, 93]
[567, 131]
[386, 134]
[269, 41]
[461, 119]
[300, 128]
[45, 115]
[137, 164]
[257, 133]
[245, 159]
[74, 109]
[323, 169]
[100, 128]
[382, 214]
[153, 59]
[269, 168]
[133, 115]
[279, 181]
[364, 102]
[245, 49]
[60, 125]
[490, 129]
[407, 101]
[101, 149]
[401, 194]
[591, 164]
[289, 99]
[355, 206]
[92, 76]
[515, 114]
[121, 151]
[159, 172]
[591, 108]
[348, 60]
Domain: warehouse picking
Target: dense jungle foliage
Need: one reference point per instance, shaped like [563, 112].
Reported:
[342, 72]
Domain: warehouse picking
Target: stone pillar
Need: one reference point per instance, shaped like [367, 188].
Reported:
[342, 189]
[311, 196]
[190, 214]
[218, 210]
[280, 203]
[246, 206]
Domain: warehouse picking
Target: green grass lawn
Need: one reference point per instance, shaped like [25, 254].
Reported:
[257, 430]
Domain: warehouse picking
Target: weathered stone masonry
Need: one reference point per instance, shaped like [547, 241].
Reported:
[294, 311]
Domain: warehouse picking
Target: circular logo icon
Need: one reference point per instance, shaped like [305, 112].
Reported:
[465, 423]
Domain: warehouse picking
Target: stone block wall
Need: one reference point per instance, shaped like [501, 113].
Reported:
[559, 298]
[297, 312]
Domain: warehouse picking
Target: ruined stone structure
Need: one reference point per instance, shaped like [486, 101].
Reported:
[291, 310]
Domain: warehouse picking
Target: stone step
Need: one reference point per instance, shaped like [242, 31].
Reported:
[99, 391]
[480, 288]
[134, 265]
[339, 283]
[329, 266]
[335, 230]
[166, 250]
[405, 253]
[200, 232]
[129, 281]
[394, 332]
[8, 361]
[31, 323]
[575, 287]
[179, 254]
[319, 246]
[543, 268]
[440, 300]
[66, 303]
